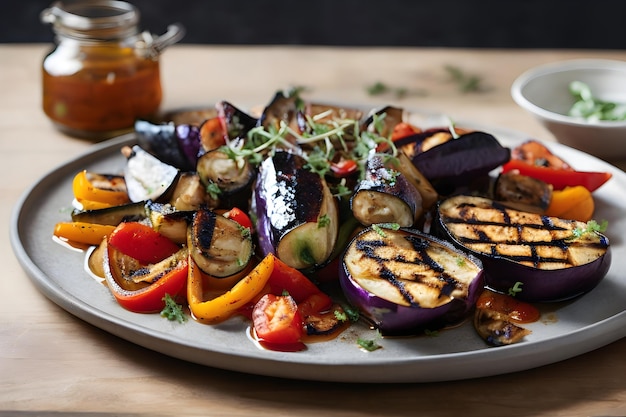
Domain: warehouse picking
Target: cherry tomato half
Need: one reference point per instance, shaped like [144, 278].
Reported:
[276, 320]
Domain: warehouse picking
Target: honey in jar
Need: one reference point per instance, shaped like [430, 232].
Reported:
[103, 74]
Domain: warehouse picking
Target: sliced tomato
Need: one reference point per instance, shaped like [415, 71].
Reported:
[344, 167]
[142, 242]
[512, 308]
[240, 217]
[559, 178]
[403, 130]
[276, 320]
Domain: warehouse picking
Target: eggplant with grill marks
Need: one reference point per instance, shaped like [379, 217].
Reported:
[406, 282]
[385, 195]
[297, 216]
[219, 246]
[541, 258]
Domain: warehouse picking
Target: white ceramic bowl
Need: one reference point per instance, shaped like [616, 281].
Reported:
[544, 92]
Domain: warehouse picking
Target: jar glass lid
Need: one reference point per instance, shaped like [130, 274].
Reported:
[93, 19]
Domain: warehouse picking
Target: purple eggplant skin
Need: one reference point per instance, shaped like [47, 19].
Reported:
[568, 268]
[461, 161]
[289, 203]
[188, 137]
[161, 141]
[450, 281]
[282, 108]
[385, 195]
[237, 122]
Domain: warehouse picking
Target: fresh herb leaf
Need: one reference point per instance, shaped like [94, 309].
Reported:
[380, 88]
[323, 221]
[370, 345]
[592, 226]
[214, 191]
[517, 288]
[591, 108]
[172, 310]
[431, 333]
[467, 83]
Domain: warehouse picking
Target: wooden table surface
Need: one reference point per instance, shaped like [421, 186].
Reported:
[51, 361]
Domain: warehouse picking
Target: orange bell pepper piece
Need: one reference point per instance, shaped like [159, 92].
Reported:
[222, 307]
[81, 232]
[572, 203]
[85, 190]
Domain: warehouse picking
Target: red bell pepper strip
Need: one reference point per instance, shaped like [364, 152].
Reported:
[145, 297]
[240, 217]
[277, 321]
[559, 178]
[142, 242]
[285, 279]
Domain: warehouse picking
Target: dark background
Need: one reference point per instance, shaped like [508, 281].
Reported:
[589, 24]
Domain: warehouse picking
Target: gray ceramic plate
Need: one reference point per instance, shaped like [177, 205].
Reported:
[568, 329]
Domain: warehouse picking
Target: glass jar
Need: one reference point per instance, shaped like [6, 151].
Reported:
[103, 73]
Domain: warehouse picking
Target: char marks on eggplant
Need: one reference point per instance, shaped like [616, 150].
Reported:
[385, 195]
[297, 216]
[531, 239]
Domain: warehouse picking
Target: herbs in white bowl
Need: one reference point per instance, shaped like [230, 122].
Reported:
[591, 108]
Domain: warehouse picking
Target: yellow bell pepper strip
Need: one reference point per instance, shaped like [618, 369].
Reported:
[572, 203]
[142, 288]
[86, 190]
[222, 307]
[80, 232]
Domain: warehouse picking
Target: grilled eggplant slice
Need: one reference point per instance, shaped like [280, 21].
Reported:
[191, 194]
[544, 258]
[169, 221]
[407, 282]
[219, 246]
[233, 177]
[147, 177]
[522, 192]
[496, 329]
[461, 161]
[385, 195]
[112, 216]
[297, 216]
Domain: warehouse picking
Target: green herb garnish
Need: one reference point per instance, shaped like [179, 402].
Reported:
[592, 226]
[172, 310]
[467, 83]
[379, 228]
[380, 88]
[370, 345]
[214, 191]
[591, 108]
[517, 288]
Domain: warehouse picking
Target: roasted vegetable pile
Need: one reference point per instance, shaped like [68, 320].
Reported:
[306, 216]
